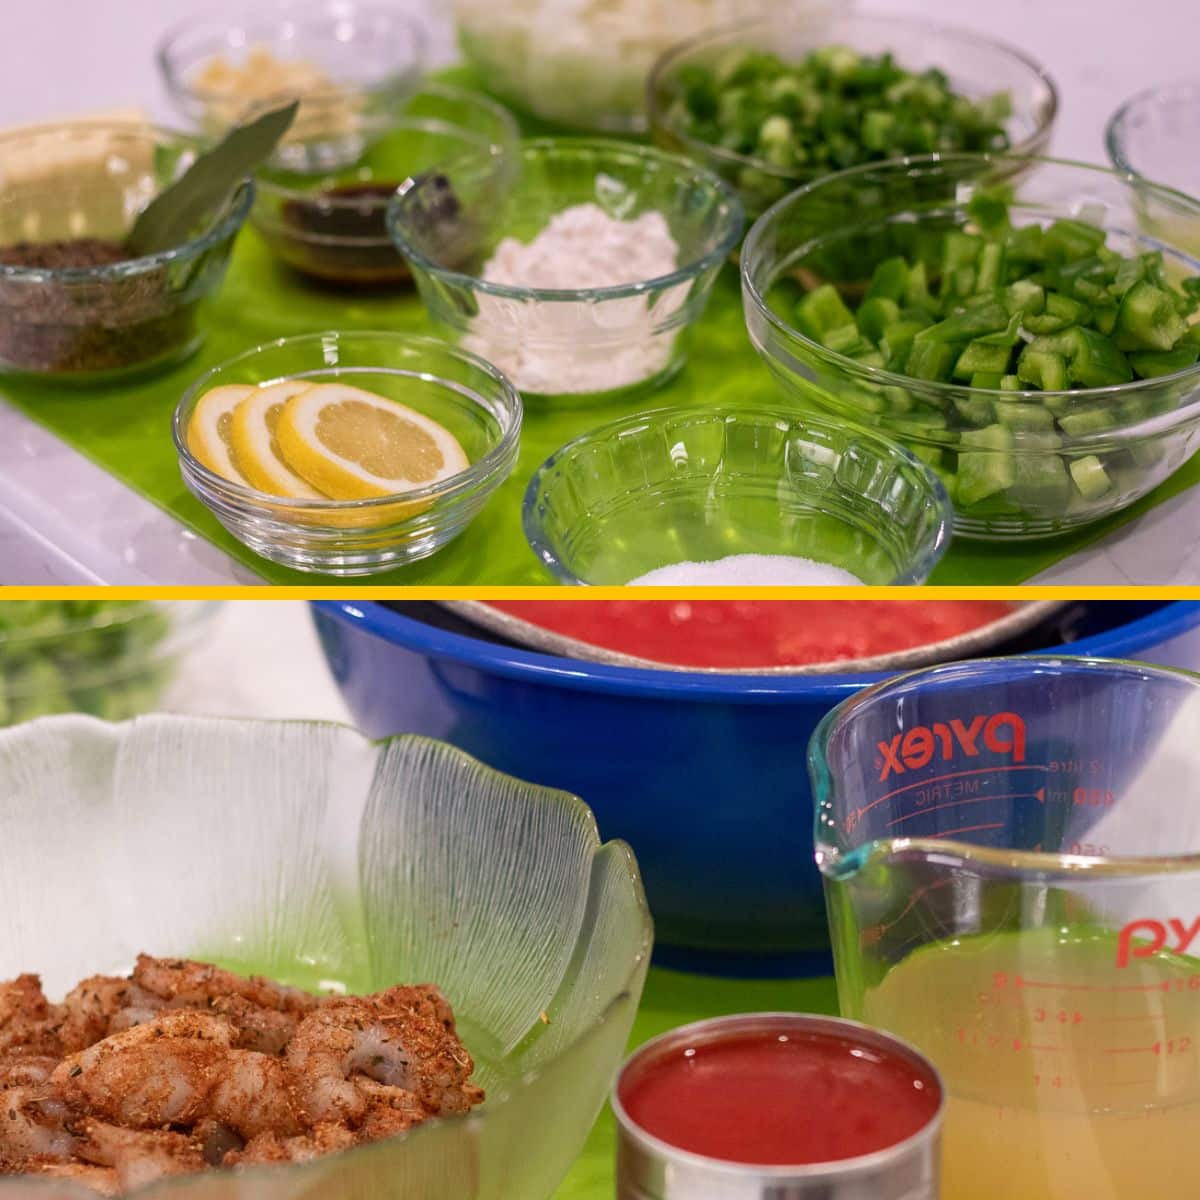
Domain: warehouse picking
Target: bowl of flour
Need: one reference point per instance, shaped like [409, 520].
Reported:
[576, 267]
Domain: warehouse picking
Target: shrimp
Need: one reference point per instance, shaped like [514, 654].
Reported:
[28, 1021]
[323, 1138]
[155, 1074]
[139, 1156]
[100, 1179]
[390, 1111]
[264, 1013]
[402, 1038]
[251, 1095]
[33, 1124]
[102, 1005]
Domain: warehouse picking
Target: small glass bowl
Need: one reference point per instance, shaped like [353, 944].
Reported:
[976, 66]
[566, 343]
[696, 485]
[358, 51]
[361, 537]
[1156, 135]
[332, 227]
[838, 229]
[90, 180]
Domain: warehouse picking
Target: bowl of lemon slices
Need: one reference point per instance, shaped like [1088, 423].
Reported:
[348, 453]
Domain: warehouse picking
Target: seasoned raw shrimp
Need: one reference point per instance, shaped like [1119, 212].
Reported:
[139, 1156]
[102, 1005]
[28, 1021]
[324, 1138]
[25, 1070]
[100, 1179]
[402, 1038]
[390, 1111]
[251, 1094]
[155, 1074]
[33, 1124]
[264, 1013]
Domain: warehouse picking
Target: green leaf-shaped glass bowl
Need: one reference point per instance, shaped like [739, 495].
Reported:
[307, 853]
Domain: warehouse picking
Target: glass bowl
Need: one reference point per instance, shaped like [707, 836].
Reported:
[332, 226]
[583, 66]
[110, 658]
[558, 343]
[688, 485]
[976, 66]
[1156, 135]
[303, 852]
[335, 56]
[361, 537]
[838, 229]
[90, 180]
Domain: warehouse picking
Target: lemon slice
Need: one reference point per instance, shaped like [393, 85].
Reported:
[209, 435]
[255, 448]
[354, 445]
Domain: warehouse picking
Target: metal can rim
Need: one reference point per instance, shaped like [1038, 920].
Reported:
[806, 1172]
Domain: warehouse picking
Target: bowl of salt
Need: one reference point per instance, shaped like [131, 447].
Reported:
[763, 497]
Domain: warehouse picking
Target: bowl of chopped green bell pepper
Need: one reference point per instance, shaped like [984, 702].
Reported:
[1008, 320]
[111, 658]
[774, 103]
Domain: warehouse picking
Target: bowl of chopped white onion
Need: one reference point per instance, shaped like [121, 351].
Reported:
[583, 63]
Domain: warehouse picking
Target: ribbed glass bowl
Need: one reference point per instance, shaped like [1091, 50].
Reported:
[91, 179]
[1156, 135]
[696, 485]
[836, 231]
[306, 853]
[976, 67]
[361, 537]
[109, 658]
[572, 343]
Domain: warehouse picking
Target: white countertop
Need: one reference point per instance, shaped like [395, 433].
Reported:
[261, 658]
[65, 521]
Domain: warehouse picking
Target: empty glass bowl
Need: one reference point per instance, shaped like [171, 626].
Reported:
[332, 225]
[459, 391]
[837, 230]
[72, 193]
[576, 340]
[1156, 135]
[976, 66]
[686, 485]
[332, 55]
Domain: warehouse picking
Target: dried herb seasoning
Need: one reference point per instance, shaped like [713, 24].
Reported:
[68, 308]
[85, 326]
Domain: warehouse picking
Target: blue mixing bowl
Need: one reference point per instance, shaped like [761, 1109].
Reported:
[704, 775]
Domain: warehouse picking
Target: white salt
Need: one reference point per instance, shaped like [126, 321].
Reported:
[749, 570]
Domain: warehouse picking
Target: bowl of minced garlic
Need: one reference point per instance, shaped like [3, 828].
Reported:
[348, 453]
[337, 60]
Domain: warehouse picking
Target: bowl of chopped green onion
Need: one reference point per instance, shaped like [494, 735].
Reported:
[775, 103]
[110, 658]
[1007, 319]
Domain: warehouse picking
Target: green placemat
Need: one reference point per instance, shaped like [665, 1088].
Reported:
[126, 428]
[672, 999]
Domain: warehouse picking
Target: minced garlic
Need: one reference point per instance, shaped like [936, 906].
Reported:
[230, 89]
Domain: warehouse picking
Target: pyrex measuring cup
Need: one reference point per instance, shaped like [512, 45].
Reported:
[1011, 852]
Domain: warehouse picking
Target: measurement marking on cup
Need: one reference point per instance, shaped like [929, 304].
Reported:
[920, 812]
[933, 837]
[924, 783]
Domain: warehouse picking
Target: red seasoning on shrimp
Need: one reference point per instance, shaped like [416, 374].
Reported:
[183, 1067]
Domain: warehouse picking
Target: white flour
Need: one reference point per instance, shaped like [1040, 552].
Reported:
[749, 570]
[566, 346]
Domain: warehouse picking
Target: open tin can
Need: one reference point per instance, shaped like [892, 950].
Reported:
[649, 1167]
